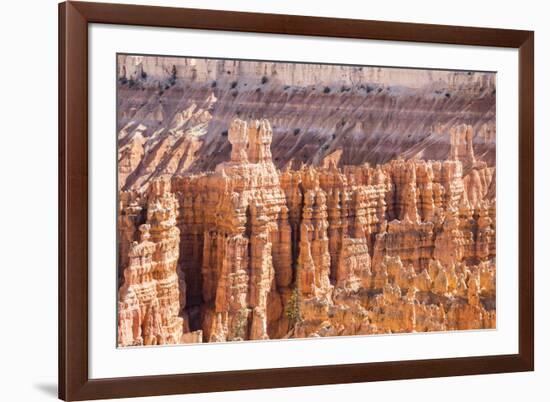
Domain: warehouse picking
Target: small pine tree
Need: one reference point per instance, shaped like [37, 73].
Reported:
[241, 324]
[292, 310]
[173, 75]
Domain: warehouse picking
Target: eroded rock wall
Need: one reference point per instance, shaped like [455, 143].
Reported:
[149, 298]
[248, 251]
[174, 114]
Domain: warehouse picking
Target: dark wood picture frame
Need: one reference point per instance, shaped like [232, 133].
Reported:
[74, 381]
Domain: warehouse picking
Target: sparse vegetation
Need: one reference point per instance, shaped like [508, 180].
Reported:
[292, 310]
[284, 204]
[173, 76]
[241, 324]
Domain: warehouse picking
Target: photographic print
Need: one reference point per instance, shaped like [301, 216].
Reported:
[270, 200]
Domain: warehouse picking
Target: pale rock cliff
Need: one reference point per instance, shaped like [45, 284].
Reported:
[174, 115]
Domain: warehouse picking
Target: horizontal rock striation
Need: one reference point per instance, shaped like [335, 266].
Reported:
[174, 114]
[249, 251]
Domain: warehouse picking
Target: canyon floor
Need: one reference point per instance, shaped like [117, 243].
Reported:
[264, 200]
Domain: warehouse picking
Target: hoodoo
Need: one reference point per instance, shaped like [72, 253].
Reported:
[268, 200]
[249, 252]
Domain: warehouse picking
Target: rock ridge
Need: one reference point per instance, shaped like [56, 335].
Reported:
[252, 252]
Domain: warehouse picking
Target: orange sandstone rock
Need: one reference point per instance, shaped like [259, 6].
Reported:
[149, 299]
[251, 252]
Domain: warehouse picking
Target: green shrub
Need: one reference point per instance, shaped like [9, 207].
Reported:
[241, 324]
[292, 310]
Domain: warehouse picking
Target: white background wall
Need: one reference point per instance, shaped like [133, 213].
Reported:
[28, 199]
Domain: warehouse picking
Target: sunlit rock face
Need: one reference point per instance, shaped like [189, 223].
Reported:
[227, 233]
[149, 298]
[251, 252]
[174, 114]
